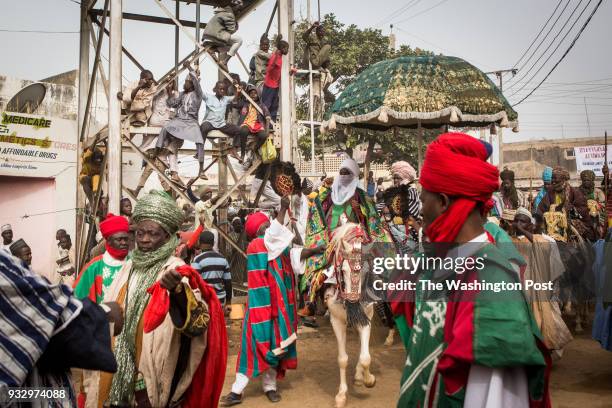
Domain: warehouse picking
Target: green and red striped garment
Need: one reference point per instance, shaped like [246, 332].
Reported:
[444, 338]
[270, 322]
[96, 276]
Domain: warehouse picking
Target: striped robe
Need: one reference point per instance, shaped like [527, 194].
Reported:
[45, 332]
[269, 330]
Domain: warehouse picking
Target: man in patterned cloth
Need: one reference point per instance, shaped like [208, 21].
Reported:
[269, 330]
[508, 197]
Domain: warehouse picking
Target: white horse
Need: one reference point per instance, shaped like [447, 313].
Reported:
[345, 308]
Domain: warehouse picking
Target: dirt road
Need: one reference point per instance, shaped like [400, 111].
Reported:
[582, 378]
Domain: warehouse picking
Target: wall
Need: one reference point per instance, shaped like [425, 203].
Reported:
[35, 199]
[38, 168]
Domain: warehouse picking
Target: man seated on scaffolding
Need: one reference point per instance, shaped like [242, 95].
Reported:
[221, 32]
[217, 104]
[253, 123]
[184, 126]
[137, 98]
[317, 52]
[158, 113]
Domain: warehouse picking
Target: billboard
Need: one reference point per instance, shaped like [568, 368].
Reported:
[592, 158]
[36, 146]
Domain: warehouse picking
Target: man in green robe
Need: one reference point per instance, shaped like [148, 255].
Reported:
[468, 345]
[338, 202]
[97, 275]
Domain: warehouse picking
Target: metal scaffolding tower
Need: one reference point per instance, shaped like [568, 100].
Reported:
[119, 132]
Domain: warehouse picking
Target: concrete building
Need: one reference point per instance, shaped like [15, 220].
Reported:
[38, 166]
[528, 159]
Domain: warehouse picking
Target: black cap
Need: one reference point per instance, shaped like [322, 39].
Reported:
[207, 238]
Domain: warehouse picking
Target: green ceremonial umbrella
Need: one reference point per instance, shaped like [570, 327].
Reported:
[432, 90]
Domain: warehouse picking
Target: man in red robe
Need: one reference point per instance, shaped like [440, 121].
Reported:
[467, 347]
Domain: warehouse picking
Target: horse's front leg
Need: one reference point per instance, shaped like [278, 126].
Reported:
[362, 372]
[337, 317]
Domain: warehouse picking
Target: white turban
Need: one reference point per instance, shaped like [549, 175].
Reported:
[405, 171]
[6, 227]
[344, 187]
[526, 213]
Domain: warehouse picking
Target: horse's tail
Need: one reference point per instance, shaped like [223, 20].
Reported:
[355, 316]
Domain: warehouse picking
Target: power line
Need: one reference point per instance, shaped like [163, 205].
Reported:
[568, 103]
[552, 43]
[575, 92]
[584, 26]
[397, 12]
[38, 31]
[564, 113]
[422, 12]
[585, 83]
[450, 52]
[541, 30]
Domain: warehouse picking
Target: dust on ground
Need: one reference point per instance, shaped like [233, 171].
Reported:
[582, 378]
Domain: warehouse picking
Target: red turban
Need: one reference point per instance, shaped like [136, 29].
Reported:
[253, 222]
[455, 164]
[113, 224]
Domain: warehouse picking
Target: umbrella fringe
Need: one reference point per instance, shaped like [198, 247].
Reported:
[383, 116]
[331, 125]
[451, 112]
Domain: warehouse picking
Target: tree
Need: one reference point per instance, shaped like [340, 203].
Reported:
[353, 50]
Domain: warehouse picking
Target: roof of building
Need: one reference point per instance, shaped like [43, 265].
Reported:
[565, 142]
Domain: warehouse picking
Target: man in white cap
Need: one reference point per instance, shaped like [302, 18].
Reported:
[7, 237]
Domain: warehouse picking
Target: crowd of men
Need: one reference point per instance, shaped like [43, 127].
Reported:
[143, 322]
[160, 294]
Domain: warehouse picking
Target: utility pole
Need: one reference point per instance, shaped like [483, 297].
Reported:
[114, 107]
[285, 27]
[500, 138]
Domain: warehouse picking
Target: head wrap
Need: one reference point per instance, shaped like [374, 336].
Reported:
[560, 171]
[547, 174]
[507, 174]
[474, 181]
[253, 222]
[112, 225]
[508, 215]
[6, 227]
[526, 213]
[344, 186]
[159, 207]
[203, 190]
[587, 175]
[405, 171]
[17, 245]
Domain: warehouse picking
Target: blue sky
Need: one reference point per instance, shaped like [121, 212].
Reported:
[491, 34]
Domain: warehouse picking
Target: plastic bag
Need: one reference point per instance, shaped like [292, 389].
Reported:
[268, 151]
